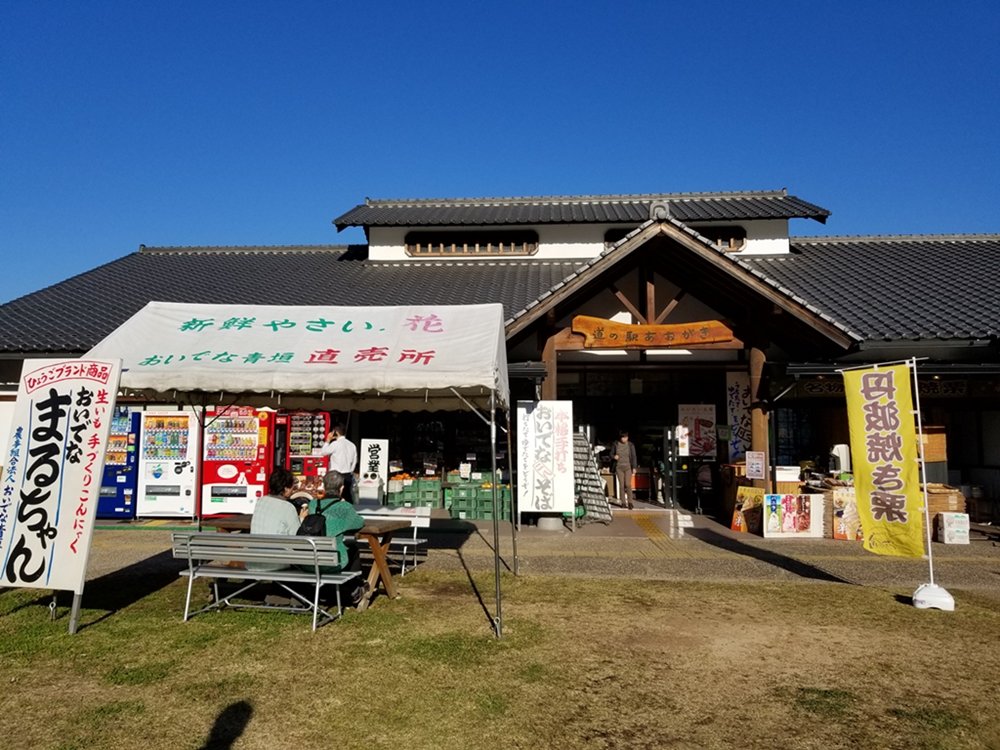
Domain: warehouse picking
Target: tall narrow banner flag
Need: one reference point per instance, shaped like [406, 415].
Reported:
[52, 477]
[545, 457]
[884, 453]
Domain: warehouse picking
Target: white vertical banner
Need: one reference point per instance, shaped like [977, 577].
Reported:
[738, 413]
[545, 457]
[374, 460]
[52, 477]
[697, 421]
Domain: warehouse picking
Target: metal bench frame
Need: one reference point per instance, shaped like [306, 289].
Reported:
[207, 555]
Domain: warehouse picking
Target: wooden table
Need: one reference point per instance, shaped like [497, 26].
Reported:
[376, 532]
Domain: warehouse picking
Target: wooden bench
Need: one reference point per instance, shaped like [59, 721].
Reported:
[419, 518]
[216, 556]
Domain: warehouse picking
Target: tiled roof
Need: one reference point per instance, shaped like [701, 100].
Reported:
[895, 287]
[587, 209]
[75, 314]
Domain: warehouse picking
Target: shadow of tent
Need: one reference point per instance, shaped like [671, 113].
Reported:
[799, 568]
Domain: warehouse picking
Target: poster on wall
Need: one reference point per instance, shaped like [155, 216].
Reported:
[738, 413]
[756, 465]
[54, 462]
[696, 436]
[545, 457]
[799, 516]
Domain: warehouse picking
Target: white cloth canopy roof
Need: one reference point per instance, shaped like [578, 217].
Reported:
[370, 358]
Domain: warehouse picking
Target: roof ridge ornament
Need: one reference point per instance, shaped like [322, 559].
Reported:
[659, 211]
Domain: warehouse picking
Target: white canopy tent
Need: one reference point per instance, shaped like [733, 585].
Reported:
[411, 358]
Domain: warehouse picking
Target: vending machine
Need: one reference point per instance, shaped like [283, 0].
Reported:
[168, 464]
[237, 459]
[121, 476]
[298, 441]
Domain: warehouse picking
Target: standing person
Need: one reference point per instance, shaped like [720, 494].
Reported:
[625, 462]
[343, 457]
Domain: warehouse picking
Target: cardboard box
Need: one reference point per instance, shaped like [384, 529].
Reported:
[952, 528]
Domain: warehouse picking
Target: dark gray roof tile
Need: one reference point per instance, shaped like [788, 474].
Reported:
[75, 314]
[586, 209]
[895, 287]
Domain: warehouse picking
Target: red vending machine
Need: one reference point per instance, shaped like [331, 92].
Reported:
[299, 436]
[237, 458]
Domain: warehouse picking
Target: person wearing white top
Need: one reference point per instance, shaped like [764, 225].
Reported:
[343, 457]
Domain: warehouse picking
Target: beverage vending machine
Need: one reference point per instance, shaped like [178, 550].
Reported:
[121, 476]
[168, 464]
[237, 458]
[299, 438]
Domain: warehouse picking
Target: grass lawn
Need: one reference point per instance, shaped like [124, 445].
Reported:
[583, 664]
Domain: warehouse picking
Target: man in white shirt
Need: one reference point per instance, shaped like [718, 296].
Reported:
[343, 458]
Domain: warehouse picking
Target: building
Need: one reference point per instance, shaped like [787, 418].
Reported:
[629, 305]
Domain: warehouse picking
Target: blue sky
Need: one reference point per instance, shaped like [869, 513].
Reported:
[236, 123]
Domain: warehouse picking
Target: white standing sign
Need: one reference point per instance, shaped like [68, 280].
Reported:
[374, 460]
[545, 457]
[52, 477]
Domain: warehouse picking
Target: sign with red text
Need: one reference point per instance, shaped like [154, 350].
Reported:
[545, 457]
[52, 472]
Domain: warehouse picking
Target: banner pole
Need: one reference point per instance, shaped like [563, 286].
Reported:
[923, 466]
[74, 613]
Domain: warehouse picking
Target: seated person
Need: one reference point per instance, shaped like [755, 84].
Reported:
[274, 513]
[341, 517]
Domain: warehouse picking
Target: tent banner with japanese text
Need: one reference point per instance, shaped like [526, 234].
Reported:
[428, 350]
[545, 474]
[53, 464]
[884, 456]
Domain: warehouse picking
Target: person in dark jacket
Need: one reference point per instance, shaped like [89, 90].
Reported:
[625, 463]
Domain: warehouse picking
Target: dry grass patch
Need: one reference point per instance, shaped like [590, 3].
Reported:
[583, 664]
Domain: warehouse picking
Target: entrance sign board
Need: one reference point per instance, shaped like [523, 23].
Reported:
[54, 462]
[545, 457]
[600, 333]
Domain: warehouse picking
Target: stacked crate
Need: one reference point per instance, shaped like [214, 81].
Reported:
[472, 499]
[414, 493]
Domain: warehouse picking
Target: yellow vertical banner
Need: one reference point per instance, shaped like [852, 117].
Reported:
[884, 454]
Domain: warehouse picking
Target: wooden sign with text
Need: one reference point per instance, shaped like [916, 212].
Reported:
[599, 333]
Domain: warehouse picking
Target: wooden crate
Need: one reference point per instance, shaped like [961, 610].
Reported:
[933, 444]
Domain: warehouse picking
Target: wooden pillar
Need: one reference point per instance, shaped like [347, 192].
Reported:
[758, 414]
[549, 360]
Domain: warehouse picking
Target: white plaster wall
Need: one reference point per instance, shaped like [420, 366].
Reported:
[577, 240]
[765, 237]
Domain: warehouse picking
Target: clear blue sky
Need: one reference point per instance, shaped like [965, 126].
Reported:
[232, 123]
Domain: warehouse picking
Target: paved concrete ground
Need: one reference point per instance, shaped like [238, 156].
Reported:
[667, 545]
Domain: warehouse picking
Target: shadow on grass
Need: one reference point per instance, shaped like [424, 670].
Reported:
[799, 568]
[119, 589]
[228, 726]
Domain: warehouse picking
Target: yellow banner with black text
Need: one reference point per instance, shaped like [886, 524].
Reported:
[884, 454]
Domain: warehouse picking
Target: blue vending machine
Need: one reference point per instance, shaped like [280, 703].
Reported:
[118, 486]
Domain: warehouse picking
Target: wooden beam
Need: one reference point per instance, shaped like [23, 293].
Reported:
[650, 297]
[670, 307]
[549, 360]
[628, 304]
[758, 416]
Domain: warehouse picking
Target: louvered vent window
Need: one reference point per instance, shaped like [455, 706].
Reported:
[457, 244]
[731, 239]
